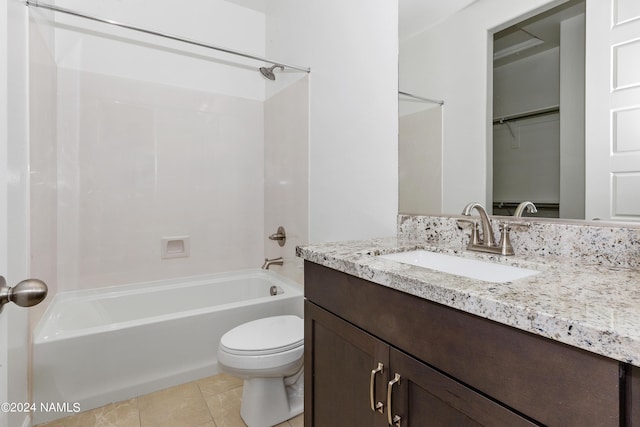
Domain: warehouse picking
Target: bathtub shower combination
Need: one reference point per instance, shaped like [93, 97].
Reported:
[173, 130]
[100, 346]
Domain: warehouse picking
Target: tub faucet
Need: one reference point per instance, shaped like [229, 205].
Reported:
[268, 262]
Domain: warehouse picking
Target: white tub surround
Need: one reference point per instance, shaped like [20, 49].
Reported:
[587, 294]
[105, 345]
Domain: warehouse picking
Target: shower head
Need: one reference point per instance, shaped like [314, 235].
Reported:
[268, 71]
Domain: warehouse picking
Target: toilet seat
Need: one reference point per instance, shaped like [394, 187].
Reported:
[268, 354]
[270, 335]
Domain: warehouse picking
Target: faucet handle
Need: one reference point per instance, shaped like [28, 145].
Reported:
[462, 221]
[475, 236]
[517, 224]
[505, 241]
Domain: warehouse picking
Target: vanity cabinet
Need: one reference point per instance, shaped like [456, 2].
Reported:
[454, 368]
[355, 374]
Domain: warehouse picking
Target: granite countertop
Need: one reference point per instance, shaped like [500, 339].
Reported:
[592, 307]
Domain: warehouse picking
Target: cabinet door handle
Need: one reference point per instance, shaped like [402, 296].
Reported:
[372, 389]
[395, 419]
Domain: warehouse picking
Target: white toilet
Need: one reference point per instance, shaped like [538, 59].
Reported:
[268, 354]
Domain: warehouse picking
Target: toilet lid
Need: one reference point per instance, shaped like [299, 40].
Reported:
[265, 336]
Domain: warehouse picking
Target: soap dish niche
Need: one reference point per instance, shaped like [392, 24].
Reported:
[175, 247]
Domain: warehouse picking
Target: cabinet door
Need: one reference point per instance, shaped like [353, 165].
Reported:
[633, 396]
[425, 397]
[339, 360]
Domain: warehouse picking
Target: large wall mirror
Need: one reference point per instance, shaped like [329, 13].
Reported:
[509, 101]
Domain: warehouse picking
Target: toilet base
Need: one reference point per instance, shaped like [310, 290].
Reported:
[268, 401]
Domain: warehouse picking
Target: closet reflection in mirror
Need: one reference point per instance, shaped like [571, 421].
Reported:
[538, 114]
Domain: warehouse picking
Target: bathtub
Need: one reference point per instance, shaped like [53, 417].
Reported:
[98, 346]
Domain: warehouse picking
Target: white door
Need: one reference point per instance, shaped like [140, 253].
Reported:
[612, 137]
[13, 207]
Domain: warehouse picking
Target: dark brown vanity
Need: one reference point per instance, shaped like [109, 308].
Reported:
[377, 356]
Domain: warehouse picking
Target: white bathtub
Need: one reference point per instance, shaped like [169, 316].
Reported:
[99, 346]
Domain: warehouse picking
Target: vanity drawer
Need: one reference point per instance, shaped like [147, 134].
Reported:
[553, 383]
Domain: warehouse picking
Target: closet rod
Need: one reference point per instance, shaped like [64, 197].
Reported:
[39, 4]
[435, 101]
[528, 115]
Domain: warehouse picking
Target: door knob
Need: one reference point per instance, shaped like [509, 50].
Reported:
[25, 294]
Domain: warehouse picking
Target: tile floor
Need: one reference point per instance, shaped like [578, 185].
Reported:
[210, 402]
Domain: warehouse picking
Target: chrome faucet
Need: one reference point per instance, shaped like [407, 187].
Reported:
[268, 262]
[529, 206]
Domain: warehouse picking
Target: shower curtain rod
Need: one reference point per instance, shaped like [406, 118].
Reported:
[39, 4]
[435, 101]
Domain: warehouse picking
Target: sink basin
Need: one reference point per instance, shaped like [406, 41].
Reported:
[471, 268]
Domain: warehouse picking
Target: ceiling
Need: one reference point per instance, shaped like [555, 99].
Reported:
[416, 16]
[259, 5]
[541, 32]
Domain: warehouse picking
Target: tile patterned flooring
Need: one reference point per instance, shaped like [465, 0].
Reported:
[209, 402]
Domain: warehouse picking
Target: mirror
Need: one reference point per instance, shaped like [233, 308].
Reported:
[481, 132]
[538, 153]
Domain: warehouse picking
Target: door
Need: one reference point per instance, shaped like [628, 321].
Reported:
[612, 110]
[13, 205]
[345, 373]
[422, 396]
[344, 382]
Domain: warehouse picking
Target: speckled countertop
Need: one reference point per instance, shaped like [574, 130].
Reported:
[588, 305]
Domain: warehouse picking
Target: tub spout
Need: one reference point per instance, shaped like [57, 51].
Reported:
[268, 262]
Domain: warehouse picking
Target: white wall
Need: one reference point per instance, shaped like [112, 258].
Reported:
[352, 49]
[453, 64]
[86, 45]
[420, 161]
[572, 126]
[526, 165]
[529, 84]
[286, 175]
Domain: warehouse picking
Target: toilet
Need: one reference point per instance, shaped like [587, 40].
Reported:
[268, 355]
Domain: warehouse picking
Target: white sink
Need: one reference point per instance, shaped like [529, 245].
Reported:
[471, 268]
